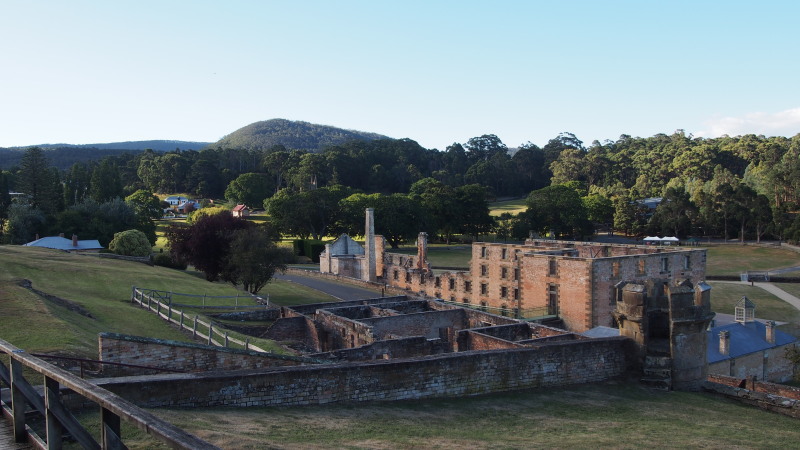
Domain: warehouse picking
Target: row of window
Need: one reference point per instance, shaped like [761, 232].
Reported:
[504, 253]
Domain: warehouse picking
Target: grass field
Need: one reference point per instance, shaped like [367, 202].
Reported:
[102, 287]
[514, 206]
[591, 416]
[735, 259]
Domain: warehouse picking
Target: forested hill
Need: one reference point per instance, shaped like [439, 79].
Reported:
[295, 135]
[62, 156]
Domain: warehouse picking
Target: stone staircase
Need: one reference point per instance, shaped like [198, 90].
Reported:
[657, 372]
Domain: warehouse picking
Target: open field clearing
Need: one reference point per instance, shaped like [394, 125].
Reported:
[514, 206]
[588, 416]
[734, 259]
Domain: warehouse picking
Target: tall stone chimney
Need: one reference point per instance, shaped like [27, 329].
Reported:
[770, 331]
[422, 251]
[74, 240]
[369, 246]
[724, 342]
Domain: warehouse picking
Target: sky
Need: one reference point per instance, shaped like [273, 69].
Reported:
[437, 72]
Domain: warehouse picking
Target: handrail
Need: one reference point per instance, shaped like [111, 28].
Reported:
[58, 418]
[146, 301]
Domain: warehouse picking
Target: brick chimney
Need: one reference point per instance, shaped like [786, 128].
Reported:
[770, 331]
[724, 342]
[74, 240]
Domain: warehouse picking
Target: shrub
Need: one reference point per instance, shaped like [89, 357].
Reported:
[165, 260]
[130, 243]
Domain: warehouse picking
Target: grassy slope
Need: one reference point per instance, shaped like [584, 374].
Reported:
[590, 416]
[103, 288]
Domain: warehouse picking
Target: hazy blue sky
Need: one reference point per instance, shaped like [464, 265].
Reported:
[437, 72]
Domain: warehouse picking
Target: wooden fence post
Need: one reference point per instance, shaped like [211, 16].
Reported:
[226, 339]
[55, 431]
[210, 332]
[181, 320]
[247, 343]
[194, 328]
[17, 400]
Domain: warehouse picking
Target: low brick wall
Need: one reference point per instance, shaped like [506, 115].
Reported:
[751, 384]
[774, 403]
[449, 375]
[182, 356]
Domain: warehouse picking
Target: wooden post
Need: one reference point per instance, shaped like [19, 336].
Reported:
[236, 306]
[247, 343]
[17, 400]
[194, 328]
[181, 320]
[55, 431]
[158, 308]
[110, 435]
[226, 339]
[169, 312]
[204, 299]
[210, 332]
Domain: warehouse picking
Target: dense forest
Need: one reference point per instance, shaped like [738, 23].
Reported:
[745, 187]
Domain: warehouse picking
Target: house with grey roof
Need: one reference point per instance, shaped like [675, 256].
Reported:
[749, 347]
[67, 245]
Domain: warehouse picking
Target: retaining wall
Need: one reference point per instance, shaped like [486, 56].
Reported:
[182, 356]
[449, 375]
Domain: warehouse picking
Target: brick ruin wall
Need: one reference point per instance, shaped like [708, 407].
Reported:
[448, 375]
[412, 347]
[180, 356]
[772, 397]
[507, 276]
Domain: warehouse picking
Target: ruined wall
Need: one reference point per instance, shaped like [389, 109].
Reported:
[296, 328]
[181, 356]
[426, 324]
[752, 384]
[780, 399]
[449, 375]
[473, 340]
[412, 347]
[339, 332]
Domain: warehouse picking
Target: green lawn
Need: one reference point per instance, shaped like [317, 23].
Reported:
[102, 287]
[515, 206]
[588, 416]
[735, 259]
[724, 297]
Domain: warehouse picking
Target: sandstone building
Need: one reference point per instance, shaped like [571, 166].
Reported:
[575, 281]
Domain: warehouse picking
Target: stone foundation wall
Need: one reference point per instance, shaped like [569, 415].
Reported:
[449, 375]
[413, 347]
[181, 356]
[772, 397]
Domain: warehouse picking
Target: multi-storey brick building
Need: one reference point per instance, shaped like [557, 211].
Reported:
[575, 281]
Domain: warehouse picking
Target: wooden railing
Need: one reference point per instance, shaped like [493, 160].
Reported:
[58, 419]
[154, 301]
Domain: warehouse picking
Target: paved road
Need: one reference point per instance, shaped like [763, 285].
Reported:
[341, 291]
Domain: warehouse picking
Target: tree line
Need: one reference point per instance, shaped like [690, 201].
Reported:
[742, 187]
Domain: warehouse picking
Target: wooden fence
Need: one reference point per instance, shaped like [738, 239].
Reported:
[156, 302]
[59, 420]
